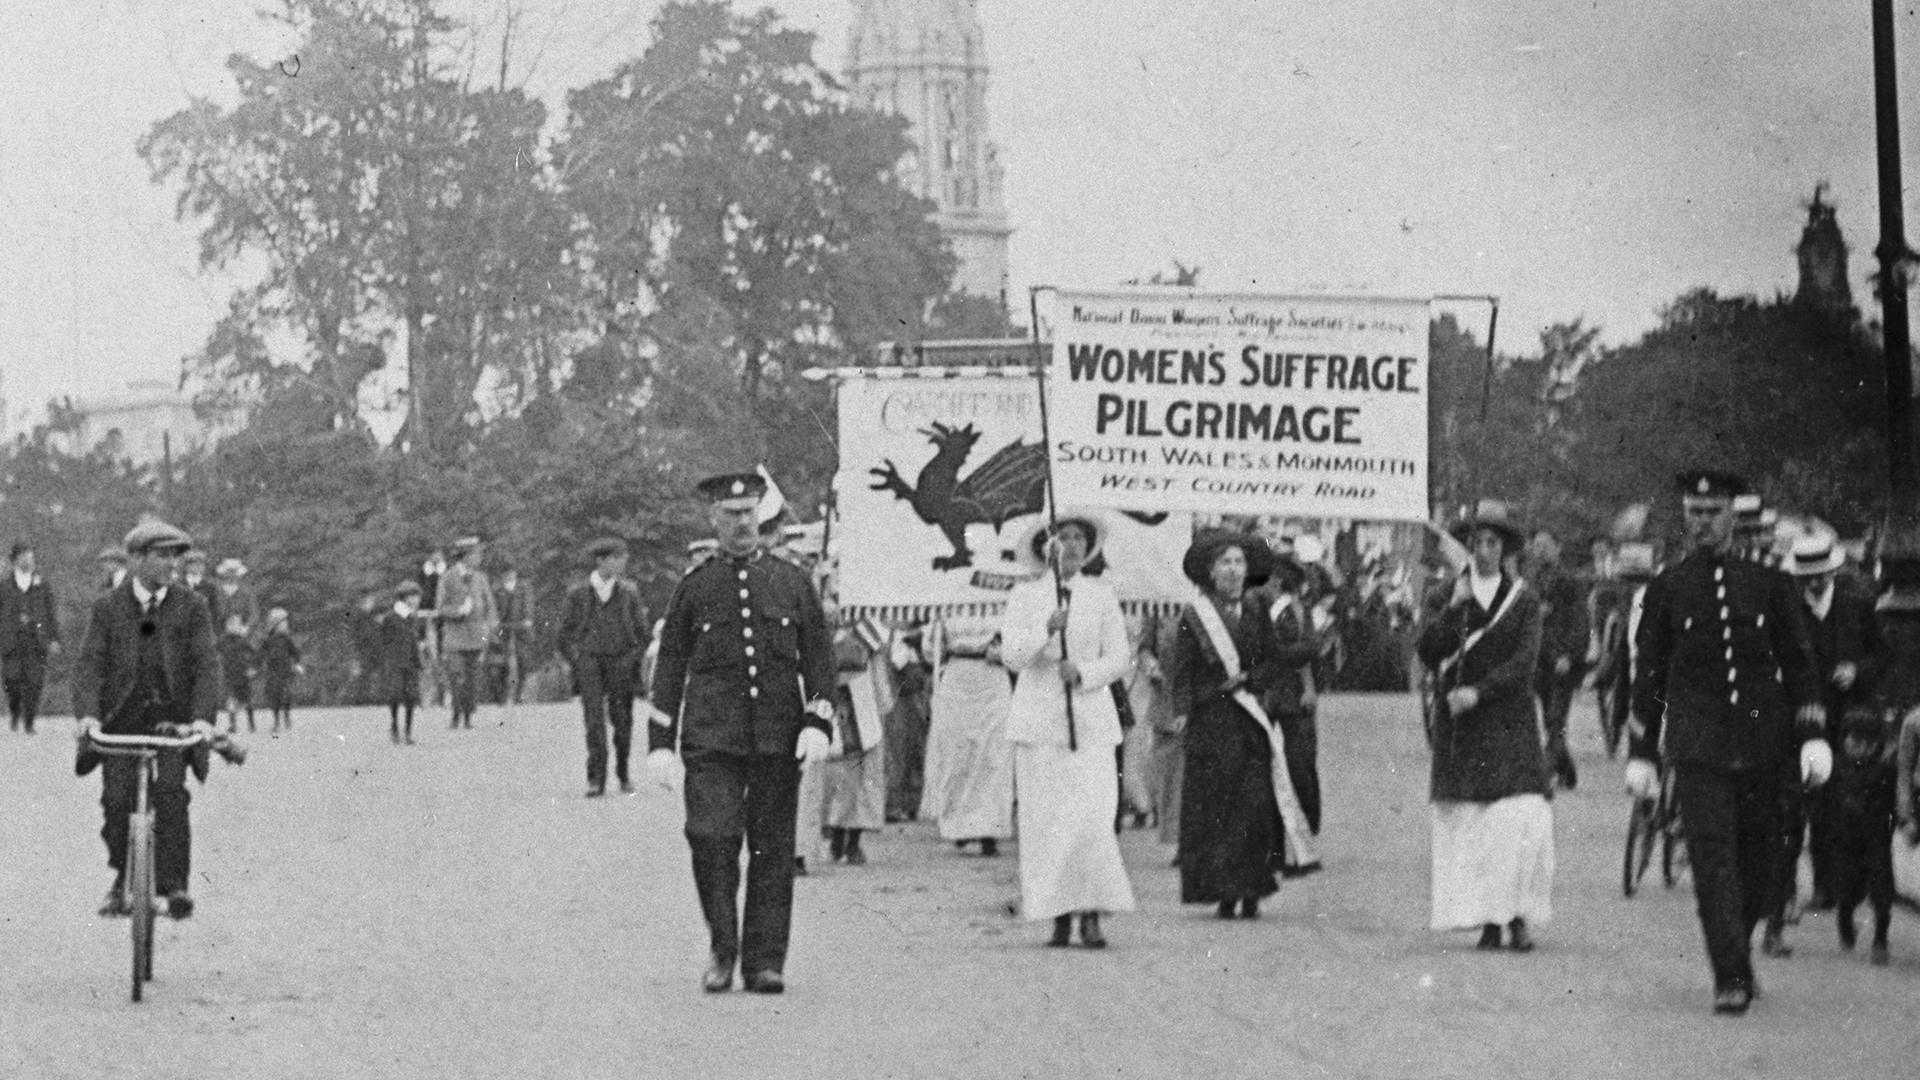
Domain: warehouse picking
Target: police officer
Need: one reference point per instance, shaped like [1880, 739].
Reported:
[1727, 674]
[745, 647]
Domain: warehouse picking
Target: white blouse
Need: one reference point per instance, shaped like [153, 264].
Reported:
[1096, 639]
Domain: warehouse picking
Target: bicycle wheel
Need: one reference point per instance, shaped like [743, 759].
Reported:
[1639, 845]
[140, 897]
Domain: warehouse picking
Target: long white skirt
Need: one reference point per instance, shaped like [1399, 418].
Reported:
[1492, 862]
[855, 795]
[969, 773]
[1069, 857]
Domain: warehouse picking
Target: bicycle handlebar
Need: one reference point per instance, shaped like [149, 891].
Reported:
[136, 745]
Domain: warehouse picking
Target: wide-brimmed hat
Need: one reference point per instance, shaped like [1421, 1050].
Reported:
[1029, 548]
[1813, 555]
[1490, 514]
[1207, 545]
[1287, 573]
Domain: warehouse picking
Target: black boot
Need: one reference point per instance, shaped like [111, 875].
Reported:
[855, 857]
[1090, 934]
[1062, 932]
[989, 847]
[1489, 937]
[837, 844]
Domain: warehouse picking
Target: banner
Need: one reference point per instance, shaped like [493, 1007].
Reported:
[940, 476]
[1289, 405]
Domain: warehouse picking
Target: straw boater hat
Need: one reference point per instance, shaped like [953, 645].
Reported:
[1815, 554]
[230, 567]
[1207, 545]
[1490, 514]
[1029, 548]
[1634, 561]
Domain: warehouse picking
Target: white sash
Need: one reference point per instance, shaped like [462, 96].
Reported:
[1299, 850]
[1470, 640]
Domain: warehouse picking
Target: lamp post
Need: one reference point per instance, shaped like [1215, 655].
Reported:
[1902, 524]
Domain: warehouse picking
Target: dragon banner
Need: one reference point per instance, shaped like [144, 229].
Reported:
[939, 478]
[1229, 404]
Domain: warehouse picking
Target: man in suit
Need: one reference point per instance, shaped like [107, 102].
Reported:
[1292, 699]
[467, 621]
[1563, 648]
[193, 574]
[745, 647]
[1726, 673]
[147, 660]
[113, 567]
[515, 600]
[603, 632]
[29, 637]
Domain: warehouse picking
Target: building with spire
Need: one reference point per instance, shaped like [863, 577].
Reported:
[924, 60]
[1822, 252]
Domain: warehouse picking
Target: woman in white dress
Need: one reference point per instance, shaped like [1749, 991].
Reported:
[1061, 640]
[969, 770]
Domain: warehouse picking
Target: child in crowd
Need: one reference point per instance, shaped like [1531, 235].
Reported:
[280, 664]
[1861, 797]
[397, 657]
[236, 664]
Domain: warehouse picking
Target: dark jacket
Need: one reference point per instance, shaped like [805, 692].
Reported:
[104, 670]
[618, 631]
[1492, 750]
[28, 623]
[1724, 660]
[1848, 635]
[1564, 624]
[742, 640]
[1296, 648]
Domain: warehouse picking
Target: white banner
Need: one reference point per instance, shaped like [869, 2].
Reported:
[1290, 405]
[940, 477]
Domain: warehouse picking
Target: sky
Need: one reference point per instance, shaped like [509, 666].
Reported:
[1578, 160]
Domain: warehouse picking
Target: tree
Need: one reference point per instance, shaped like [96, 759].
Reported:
[730, 192]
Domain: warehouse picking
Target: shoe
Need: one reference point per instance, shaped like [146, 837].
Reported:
[1732, 1000]
[837, 844]
[596, 790]
[1062, 932]
[1225, 911]
[1880, 956]
[855, 856]
[1249, 907]
[1489, 937]
[718, 978]
[1518, 938]
[989, 847]
[799, 866]
[1090, 934]
[114, 904]
[626, 787]
[766, 982]
[1848, 935]
[1772, 944]
[1302, 870]
[179, 905]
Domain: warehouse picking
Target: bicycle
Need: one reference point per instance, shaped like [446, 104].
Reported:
[1653, 820]
[137, 880]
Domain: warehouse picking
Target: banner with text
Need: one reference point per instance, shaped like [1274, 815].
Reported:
[1230, 404]
[939, 478]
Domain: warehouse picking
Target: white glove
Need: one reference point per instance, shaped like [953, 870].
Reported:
[1816, 762]
[1643, 778]
[664, 769]
[814, 746]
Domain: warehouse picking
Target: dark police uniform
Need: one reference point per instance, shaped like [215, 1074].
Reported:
[29, 627]
[746, 661]
[1725, 661]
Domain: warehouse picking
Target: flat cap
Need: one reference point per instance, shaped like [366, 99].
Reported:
[464, 545]
[702, 547]
[111, 554]
[406, 588]
[156, 535]
[605, 546]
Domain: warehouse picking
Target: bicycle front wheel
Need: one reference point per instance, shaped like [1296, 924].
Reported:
[140, 898]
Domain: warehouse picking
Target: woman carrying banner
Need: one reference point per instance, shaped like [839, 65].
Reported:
[1492, 823]
[1225, 659]
[1065, 639]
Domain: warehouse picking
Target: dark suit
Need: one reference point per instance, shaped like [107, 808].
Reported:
[1848, 634]
[1287, 701]
[1724, 660]
[1564, 628]
[135, 671]
[28, 628]
[741, 639]
[603, 642]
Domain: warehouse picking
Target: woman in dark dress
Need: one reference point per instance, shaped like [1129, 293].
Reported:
[1229, 816]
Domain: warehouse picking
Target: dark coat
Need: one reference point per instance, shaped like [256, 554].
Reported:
[28, 622]
[103, 672]
[1295, 649]
[1229, 820]
[1492, 750]
[1724, 660]
[741, 640]
[1564, 623]
[395, 648]
[577, 617]
[1848, 635]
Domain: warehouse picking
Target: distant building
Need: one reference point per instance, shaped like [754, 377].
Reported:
[924, 60]
[151, 417]
[1823, 258]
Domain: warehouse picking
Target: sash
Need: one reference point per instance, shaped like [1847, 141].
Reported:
[1468, 642]
[1293, 822]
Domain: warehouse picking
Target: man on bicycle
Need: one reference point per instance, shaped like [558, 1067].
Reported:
[147, 662]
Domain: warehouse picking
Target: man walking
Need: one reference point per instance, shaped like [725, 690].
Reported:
[603, 632]
[468, 617]
[1726, 673]
[1564, 628]
[743, 635]
[29, 636]
[516, 633]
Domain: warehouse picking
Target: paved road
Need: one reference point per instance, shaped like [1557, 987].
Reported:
[455, 909]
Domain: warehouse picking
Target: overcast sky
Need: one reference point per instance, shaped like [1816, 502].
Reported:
[1579, 160]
